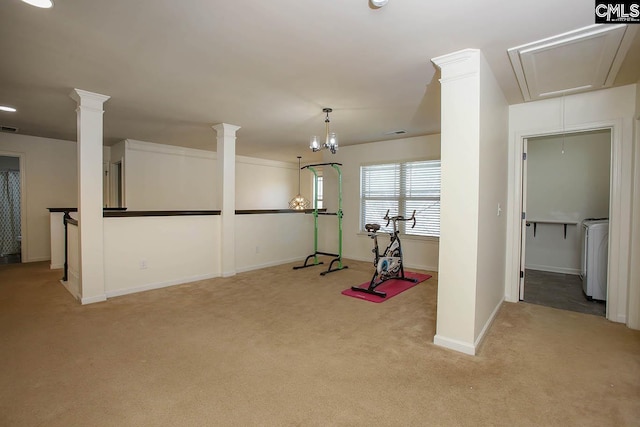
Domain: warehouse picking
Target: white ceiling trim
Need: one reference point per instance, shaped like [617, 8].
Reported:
[577, 61]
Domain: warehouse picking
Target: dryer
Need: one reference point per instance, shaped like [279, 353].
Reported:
[595, 251]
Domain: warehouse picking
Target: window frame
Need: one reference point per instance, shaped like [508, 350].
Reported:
[320, 200]
[403, 198]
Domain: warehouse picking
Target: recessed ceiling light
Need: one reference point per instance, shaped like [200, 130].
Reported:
[7, 109]
[376, 3]
[45, 4]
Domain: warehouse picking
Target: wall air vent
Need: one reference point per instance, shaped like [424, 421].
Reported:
[9, 129]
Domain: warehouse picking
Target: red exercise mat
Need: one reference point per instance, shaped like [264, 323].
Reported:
[392, 287]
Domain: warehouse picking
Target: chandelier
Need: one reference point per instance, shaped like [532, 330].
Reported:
[299, 203]
[330, 138]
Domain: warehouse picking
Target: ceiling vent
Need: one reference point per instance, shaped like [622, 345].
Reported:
[396, 132]
[9, 129]
[577, 61]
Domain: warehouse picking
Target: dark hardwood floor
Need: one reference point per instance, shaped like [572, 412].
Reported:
[563, 291]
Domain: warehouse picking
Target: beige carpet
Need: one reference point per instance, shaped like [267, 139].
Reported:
[277, 347]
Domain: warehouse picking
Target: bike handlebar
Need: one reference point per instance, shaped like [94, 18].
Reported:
[400, 218]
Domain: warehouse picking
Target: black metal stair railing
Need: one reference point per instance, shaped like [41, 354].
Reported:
[67, 220]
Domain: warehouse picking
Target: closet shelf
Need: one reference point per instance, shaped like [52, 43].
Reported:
[535, 223]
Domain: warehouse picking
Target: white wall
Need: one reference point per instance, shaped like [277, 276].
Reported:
[116, 155]
[268, 184]
[421, 253]
[163, 177]
[142, 253]
[9, 163]
[569, 186]
[56, 227]
[550, 251]
[609, 108]
[263, 240]
[634, 274]
[50, 170]
[494, 124]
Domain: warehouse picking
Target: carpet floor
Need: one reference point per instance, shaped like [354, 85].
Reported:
[277, 347]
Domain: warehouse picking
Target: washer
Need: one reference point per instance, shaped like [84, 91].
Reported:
[595, 250]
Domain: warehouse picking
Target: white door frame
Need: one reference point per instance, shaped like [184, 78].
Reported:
[523, 223]
[523, 235]
[616, 289]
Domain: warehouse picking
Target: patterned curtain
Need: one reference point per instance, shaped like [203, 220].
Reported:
[9, 212]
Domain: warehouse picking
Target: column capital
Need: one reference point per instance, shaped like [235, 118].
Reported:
[460, 64]
[223, 128]
[89, 99]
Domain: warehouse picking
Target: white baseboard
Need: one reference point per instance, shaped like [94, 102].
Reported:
[159, 285]
[36, 259]
[621, 318]
[487, 325]
[68, 285]
[93, 300]
[268, 264]
[422, 267]
[452, 344]
[464, 347]
[56, 266]
[553, 269]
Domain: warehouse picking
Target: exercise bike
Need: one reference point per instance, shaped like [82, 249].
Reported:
[388, 265]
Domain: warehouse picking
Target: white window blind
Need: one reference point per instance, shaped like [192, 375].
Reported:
[402, 188]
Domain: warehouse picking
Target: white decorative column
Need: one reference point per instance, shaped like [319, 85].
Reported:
[474, 134]
[90, 223]
[226, 186]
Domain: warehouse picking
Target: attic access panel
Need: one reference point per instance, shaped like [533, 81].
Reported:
[577, 61]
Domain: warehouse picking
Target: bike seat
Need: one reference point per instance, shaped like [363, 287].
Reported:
[372, 227]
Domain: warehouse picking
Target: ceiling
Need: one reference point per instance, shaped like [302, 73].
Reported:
[174, 68]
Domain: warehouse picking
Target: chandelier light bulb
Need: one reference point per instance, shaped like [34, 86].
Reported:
[332, 145]
[315, 145]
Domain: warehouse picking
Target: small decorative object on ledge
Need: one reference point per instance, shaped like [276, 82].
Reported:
[299, 203]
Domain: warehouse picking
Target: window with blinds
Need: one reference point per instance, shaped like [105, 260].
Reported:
[319, 197]
[402, 188]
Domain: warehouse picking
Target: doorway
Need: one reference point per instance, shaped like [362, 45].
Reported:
[566, 181]
[10, 210]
